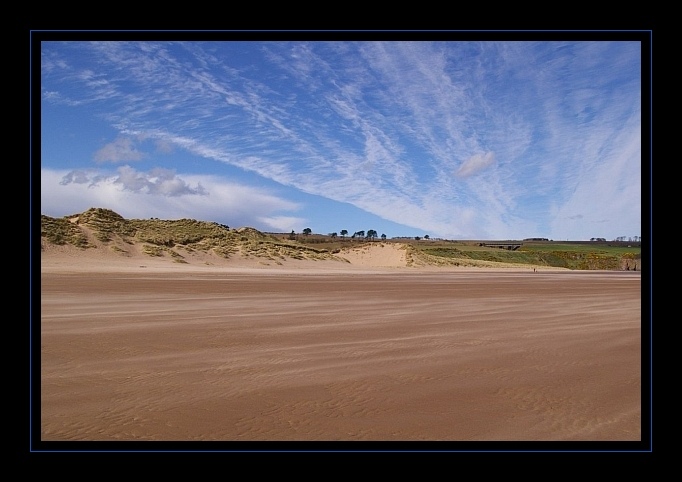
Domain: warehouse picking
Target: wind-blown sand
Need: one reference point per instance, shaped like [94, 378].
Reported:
[142, 349]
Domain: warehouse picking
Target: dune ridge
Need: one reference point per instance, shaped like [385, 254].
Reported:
[102, 236]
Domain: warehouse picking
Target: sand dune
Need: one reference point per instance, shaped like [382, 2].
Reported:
[364, 350]
[367, 257]
[377, 255]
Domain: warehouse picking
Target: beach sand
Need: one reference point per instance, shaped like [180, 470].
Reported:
[139, 349]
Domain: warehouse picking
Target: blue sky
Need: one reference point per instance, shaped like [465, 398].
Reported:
[457, 139]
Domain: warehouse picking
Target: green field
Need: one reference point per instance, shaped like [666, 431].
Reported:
[571, 255]
[609, 255]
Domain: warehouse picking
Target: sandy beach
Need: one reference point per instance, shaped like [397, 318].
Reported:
[139, 349]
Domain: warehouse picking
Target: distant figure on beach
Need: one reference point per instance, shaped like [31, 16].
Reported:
[533, 270]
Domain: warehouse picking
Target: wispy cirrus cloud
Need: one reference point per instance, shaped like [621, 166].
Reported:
[463, 139]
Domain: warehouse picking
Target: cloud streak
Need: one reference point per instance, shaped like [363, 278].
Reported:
[476, 163]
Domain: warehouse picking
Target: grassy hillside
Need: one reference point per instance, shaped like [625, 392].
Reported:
[99, 228]
[584, 256]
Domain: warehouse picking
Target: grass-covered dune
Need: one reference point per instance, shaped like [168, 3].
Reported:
[99, 228]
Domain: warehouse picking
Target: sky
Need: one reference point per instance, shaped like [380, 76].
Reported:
[454, 139]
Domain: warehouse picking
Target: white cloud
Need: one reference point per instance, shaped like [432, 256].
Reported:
[476, 163]
[77, 177]
[158, 181]
[283, 224]
[163, 194]
[164, 146]
[610, 192]
[121, 150]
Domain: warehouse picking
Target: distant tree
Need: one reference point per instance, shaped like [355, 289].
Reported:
[307, 231]
[292, 235]
[332, 235]
[417, 238]
[371, 234]
[360, 234]
[383, 237]
[343, 233]
[426, 236]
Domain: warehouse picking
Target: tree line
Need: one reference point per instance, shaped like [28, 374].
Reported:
[370, 234]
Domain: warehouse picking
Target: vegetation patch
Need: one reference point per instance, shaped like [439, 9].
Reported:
[61, 231]
[151, 250]
[175, 254]
[105, 223]
[576, 256]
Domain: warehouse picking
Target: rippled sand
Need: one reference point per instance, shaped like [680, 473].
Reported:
[333, 355]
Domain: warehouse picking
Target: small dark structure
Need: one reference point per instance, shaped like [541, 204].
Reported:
[510, 245]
